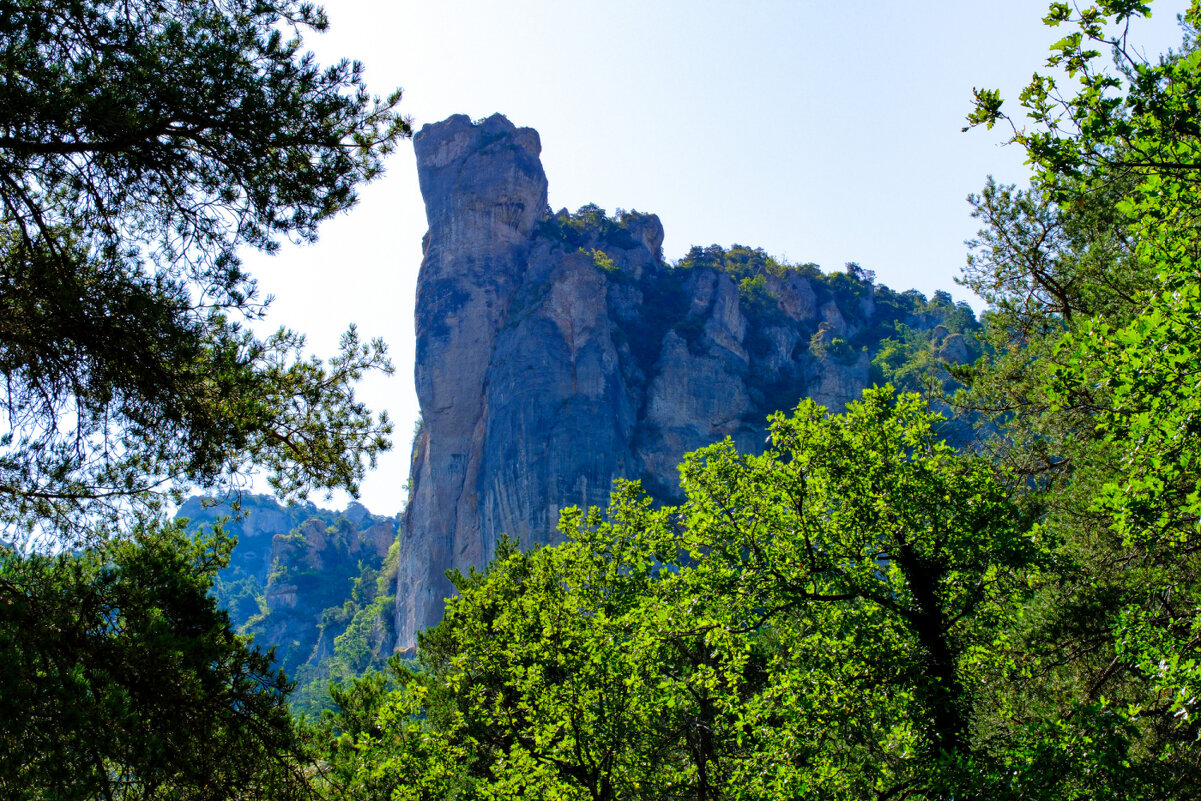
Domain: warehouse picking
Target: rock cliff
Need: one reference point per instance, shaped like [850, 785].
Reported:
[557, 352]
[298, 572]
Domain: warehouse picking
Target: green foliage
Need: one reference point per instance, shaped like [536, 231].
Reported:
[1092, 278]
[879, 560]
[379, 746]
[121, 679]
[1040, 265]
[603, 261]
[241, 596]
[360, 630]
[741, 262]
[931, 360]
[824, 345]
[339, 626]
[914, 343]
[141, 146]
[589, 228]
[321, 568]
[754, 296]
[811, 621]
[691, 329]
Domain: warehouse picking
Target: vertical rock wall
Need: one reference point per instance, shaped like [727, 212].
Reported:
[484, 191]
[558, 352]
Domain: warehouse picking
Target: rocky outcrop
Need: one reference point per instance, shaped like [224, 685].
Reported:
[484, 191]
[557, 352]
[293, 565]
[314, 569]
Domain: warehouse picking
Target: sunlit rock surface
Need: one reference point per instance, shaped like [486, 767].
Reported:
[557, 352]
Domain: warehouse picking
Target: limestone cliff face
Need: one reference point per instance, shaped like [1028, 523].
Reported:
[293, 570]
[484, 192]
[314, 567]
[557, 352]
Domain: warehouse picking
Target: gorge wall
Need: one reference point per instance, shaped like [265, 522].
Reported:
[557, 352]
[292, 565]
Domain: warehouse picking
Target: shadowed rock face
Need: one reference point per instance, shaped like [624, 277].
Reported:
[484, 191]
[292, 565]
[556, 353]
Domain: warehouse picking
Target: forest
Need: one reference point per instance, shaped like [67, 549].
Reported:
[863, 611]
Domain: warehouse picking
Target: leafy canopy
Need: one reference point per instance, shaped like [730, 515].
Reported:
[809, 623]
[1112, 376]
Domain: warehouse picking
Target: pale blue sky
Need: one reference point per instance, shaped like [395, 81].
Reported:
[822, 132]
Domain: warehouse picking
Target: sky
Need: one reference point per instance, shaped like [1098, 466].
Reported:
[821, 132]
